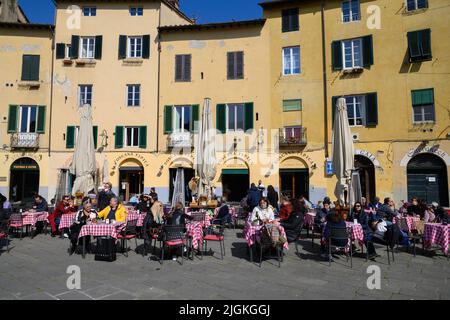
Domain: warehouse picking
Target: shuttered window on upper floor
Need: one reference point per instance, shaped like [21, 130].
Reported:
[183, 67]
[30, 67]
[235, 65]
[419, 45]
[290, 20]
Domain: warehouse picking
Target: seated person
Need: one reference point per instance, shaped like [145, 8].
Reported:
[285, 210]
[321, 215]
[64, 206]
[6, 211]
[362, 218]
[144, 205]
[387, 210]
[177, 217]
[115, 211]
[84, 215]
[441, 213]
[333, 219]
[156, 209]
[40, 204]
[262, 212]
[134, 200]
[223, 215]
[293, 225]
[414, 209]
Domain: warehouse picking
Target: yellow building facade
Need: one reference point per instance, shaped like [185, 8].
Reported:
[272, 83]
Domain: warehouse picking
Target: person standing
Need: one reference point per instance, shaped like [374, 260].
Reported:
[105, 196]
[272, 196]
[253, 197]
[262, 188]
[153, 193]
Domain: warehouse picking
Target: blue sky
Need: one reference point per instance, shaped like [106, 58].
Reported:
[41, 11]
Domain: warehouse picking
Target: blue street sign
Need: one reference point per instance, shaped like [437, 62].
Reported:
[329, 167]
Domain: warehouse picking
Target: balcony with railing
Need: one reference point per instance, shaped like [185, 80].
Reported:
[292, 137]
[25, 140]
[180, 140]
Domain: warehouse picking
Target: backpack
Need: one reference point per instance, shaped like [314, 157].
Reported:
[270, 236]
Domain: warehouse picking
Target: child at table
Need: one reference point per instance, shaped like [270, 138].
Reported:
[83, 216]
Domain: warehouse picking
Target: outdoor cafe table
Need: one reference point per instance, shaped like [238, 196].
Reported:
[31, 218]
[410, 222]
[100, 229]
[253, 234]
[134, 215]
[232, 210]
[356, 232]
[309, 218]
[66, 220]
[195, 231]
[436, 233]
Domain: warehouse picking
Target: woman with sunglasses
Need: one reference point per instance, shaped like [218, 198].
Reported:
[362, 218]
[64, 206]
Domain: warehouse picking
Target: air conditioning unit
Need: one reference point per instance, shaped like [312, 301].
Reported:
[355, 136]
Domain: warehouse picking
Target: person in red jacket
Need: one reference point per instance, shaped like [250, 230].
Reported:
[64, 206]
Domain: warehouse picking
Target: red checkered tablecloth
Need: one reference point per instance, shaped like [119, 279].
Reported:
[31, 218]
[100, 229]
[233, 212]
[356, 232]
[134, 215]
[409, 222]
[195, 231]
[436, 233]
[309, 219]
[66, 220]
[253, 233]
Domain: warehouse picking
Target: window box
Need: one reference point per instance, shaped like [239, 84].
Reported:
[292, 137]
[133, 61]
[25, 140]
[67, 61]
[85, 62]
[180, 140]
[353, 70]
[29, 84]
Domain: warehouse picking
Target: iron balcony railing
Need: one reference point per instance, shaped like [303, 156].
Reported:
[25, 140]
[292, 137]
[180, 140]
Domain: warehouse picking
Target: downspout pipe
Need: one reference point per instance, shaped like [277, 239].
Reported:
[159, 80]
[51, 86]
[325, 82]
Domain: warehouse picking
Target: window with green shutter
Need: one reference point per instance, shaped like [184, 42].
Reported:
[119, 137]
[30, 67]
[367, 51]
[221, 117]
[423, 105]
[371, 109]
[419, 45]
[292, 105]
[143, 137]
[194, 118]
[40, 127]
[248, 116]
[75, 46]
[336, 55]
[168, 119]
[290, 20]
[95, 133]
[12, 119]
[146, 46]
[60, 50]
[122, 47]
[70, 137]
[98, 47]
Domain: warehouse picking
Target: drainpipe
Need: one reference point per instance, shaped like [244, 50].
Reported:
[51, 87]
[325, 92]
[159, 80]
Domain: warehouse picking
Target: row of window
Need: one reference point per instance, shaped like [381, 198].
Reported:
[91, 47]
[133, 95]
[125, 136]
[92, 11]
[350, 10]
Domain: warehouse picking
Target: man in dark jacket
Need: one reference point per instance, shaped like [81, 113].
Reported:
[440, 212]
[385, 211]
[40, 204]
[254, 195]
[293, 226]
[104, 197]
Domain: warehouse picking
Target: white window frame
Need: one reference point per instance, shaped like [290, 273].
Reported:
[84, 94]
[286, 128]
[134, 54]
[352, 41]
[291, 61]
[416, 6]
[362, 110]
[67, 51]
[186, 108]
[135, 90]
[422, 114]
[125, 136]
[90, 11]
[90, 44]
[235, 106]
[19, 129]
[351, 12]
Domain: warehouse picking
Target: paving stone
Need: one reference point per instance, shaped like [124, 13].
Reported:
[39, 296]
[73, 295]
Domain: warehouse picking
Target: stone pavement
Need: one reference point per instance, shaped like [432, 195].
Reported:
[36, 269]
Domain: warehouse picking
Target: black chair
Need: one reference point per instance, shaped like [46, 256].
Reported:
[173, 236]
[300, 229]
[199, 216]
[339, 237]
[315, 230]
[414, 237]
[269, 244]
[379, 240]
[129, 232]
[4, 232]
[215, 232]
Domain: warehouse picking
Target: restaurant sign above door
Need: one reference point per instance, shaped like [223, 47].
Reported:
[24, 167]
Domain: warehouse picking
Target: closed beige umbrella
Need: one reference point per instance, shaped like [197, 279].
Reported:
[83, 162]
[343, 150]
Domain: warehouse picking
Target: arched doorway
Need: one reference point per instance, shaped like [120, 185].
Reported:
[24, 179]
[235, 178]
[294, 178]
[131, 179]
[367, 176]
[189, 173]
[427, 179]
